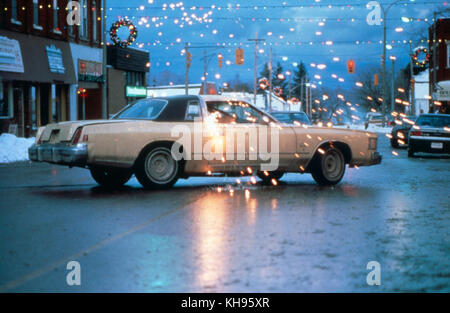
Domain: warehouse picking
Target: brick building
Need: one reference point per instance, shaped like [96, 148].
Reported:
[439, 47]
[44, 62]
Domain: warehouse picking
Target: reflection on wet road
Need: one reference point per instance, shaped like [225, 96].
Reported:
[200, 236]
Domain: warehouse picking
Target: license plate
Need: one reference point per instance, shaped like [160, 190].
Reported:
[437, 145]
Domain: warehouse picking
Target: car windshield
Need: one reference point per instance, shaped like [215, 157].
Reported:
[236, 112]
[147, 109]
[433, 121]
[291, 118]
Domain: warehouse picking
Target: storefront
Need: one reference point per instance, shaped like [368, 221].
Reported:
[87, 93]
[127, 69]
[35, 78]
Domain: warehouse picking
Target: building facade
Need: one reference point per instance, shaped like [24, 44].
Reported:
[127, 69]
[40, 60]
[439, 47]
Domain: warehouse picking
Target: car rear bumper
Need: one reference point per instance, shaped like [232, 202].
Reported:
[423, 144]
[64, 154]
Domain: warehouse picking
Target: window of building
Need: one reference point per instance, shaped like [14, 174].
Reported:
[448, 55]
[94, 20]
[14, 14]
[6, 107]
[84, 19]
[56, 28]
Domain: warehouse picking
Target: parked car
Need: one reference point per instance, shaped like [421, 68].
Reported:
[375, 118]
[141, 140]
[299, 118]
[431, 134]
[400, 132]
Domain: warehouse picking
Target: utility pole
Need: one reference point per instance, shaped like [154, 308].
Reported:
[435, 53]
[302, 101]
[393, 58]
[412, 82]
[255, 78]
[104, 70]
[205, 72]
[270, 79]
[186, 75]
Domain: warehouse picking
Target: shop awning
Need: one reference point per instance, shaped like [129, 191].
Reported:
[44, 60]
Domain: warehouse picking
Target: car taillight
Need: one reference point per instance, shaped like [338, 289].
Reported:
[416, 133]
[77, 136]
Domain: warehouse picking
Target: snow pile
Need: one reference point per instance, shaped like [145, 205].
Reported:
[14, 149]
[372, 128]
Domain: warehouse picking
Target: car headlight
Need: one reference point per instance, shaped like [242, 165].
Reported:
[373, 143]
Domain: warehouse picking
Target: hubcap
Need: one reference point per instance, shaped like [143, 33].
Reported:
[332, 165]
[160, 167]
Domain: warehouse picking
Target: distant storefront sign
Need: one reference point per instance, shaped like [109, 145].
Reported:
[443, 92]
[10, 56]
[136, 92]
[89, 71]
[55, 60]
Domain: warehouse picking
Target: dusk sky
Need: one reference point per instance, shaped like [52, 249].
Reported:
[313, 31]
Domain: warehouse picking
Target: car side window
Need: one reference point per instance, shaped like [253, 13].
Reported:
[192, 110]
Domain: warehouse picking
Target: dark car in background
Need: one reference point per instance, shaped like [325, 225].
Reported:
[400, 131]
[292, 117]
[430, 134]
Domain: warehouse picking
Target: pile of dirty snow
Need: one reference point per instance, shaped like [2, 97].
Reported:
[14, 149]
[371, 128]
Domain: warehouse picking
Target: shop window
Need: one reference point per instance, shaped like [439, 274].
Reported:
[33, 108]
[6, 107]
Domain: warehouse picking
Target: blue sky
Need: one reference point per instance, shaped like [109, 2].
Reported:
[291, 28]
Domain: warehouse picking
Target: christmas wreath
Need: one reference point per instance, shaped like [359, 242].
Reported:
[116, 39]
[423, 62]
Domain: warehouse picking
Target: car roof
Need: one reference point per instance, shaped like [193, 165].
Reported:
[287, 112]
[431, 114]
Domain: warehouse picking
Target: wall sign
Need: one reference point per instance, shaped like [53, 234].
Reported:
[10, 56]
[55, 60]
[136, 92]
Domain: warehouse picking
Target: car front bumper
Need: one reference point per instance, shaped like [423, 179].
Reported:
[60, 153]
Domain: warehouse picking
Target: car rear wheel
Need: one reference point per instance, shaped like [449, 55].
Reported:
[410, 151]
[267, 177]
[110, 177]
[157, 169]
[328, 168]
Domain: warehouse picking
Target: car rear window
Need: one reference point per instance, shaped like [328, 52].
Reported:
[148, 109]
[433, 121]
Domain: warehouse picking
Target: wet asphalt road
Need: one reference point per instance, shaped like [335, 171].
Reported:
[295, 237]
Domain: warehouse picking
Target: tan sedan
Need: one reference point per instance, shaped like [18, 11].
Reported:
[163, 139]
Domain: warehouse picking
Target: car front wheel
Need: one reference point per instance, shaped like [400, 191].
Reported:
[110, 177]
[157, 169]
[328, 168]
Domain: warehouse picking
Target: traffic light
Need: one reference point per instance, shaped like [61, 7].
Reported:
[375, 80]
[239, 56]
[351, 67]
[188, 59]
[220, 58]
